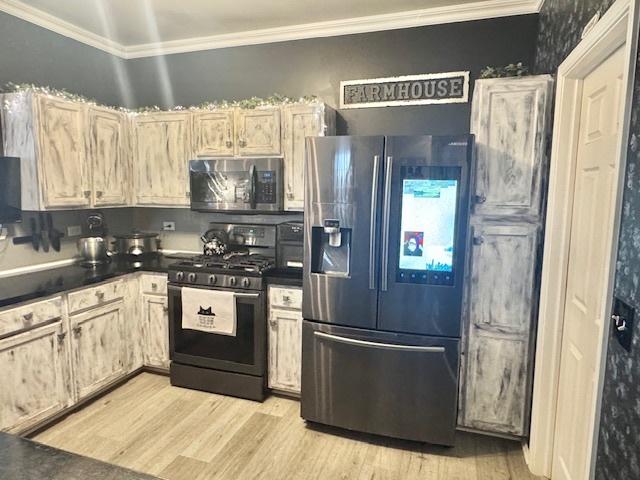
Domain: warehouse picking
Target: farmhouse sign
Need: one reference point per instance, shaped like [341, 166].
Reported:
[449, 87]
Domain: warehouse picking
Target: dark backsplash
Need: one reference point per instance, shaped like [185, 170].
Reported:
[560, 28]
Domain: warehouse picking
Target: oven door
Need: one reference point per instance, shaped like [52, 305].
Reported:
[234, 184]
[244, 353]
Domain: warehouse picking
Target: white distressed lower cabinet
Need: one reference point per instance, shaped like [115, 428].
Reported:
[34, 378]
[99, 348]
[155, 320]
[285, 338]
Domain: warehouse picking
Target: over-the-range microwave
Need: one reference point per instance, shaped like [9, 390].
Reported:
[239, 185]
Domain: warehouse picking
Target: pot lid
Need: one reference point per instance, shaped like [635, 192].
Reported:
[136, 234]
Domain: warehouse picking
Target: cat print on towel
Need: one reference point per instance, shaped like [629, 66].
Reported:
[206, 317]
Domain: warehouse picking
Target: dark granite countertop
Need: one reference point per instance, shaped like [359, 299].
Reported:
[30, 286]
[22, 459]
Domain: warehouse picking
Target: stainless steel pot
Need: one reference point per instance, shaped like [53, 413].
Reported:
[93, 250]
[136, 243]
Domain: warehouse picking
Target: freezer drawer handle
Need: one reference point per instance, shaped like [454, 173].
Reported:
[385, 346]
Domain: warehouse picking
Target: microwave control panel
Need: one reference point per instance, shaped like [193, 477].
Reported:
[266, 187]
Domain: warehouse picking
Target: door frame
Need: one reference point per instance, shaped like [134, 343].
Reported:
[617, 28]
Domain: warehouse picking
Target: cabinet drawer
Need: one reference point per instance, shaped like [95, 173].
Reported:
[90, 297]
[154, 284]
[29, 316]
[285, 297]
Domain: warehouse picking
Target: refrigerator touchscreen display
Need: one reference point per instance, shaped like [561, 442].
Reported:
[427, 230]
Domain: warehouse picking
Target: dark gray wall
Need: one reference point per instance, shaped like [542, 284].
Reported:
[618, 457]
[31, 54]
[316, 67]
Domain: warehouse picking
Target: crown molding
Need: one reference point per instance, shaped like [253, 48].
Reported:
[374, 23]
[50, 22]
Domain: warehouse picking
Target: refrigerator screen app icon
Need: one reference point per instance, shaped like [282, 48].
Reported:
[427, 232]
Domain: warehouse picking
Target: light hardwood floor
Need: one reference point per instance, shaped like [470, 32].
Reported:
[150, 426]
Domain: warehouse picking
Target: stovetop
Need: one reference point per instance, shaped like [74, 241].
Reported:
[233, 271]
[228, 263]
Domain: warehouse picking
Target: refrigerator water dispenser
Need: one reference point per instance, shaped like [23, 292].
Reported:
[331, 249]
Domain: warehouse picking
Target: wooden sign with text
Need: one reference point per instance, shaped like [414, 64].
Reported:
[431, 88]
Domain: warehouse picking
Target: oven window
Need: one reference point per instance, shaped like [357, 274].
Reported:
[238, 349]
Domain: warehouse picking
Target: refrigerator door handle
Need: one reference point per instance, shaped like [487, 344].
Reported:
[384, 346]
[385, 223]
[373, 244]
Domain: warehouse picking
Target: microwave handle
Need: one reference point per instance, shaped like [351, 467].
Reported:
[252, 186]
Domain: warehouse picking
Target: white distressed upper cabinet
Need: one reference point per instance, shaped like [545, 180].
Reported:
[214, 133]
[98, 337]
[108, 157]
[34, 378]
[510, 122]
[510, 118]
[301, 121]
[258, 131]
[49, 135]
[285, 339]
[162, 150]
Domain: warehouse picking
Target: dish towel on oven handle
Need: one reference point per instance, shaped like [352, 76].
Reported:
[211, 311]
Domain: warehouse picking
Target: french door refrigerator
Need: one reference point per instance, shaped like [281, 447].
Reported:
[385, 228]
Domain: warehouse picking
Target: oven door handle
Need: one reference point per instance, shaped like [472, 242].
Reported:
[237, 294]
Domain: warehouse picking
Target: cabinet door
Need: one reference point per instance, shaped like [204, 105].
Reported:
[285, 349]
[496, 387]
[155, 312]
[258, 131]
[510, 122]
[162, 154]
[62, 156]
[34, 377]
[213, 133]
[300, 121]
[106, 153]
[99, 347]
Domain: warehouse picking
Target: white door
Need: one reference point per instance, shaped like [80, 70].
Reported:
[588, 267]
[156, 330]
[285, 349]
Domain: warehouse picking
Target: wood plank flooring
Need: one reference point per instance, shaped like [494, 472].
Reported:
[173, 433]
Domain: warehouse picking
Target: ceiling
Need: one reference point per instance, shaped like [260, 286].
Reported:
[135, 28]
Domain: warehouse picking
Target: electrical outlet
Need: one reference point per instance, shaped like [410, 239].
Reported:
[169, 226]
[74, 230]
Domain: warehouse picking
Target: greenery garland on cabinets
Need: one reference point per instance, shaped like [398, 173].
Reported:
[249, 103]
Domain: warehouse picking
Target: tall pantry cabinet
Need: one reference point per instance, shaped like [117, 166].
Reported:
[510, 120]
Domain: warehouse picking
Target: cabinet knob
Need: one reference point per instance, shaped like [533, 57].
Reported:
[154, 286]
[229, 144]
[99, 194]
[77, 331]
[480, 198]
[479, 240]
[273, 323]
[100, 295]
[87, 193]
[61, 337]
[165, 308]
[28, 316]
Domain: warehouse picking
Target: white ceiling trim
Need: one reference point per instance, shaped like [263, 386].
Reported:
[55, 24]
[373, 23]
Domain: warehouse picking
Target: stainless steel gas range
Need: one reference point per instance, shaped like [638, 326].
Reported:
[227, 363]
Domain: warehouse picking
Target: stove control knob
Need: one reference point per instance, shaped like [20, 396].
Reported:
[192, 277]
[246, 282]
[233, 281]
[212, 279]
[180, 276]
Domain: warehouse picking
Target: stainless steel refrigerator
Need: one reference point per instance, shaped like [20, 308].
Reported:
[384, 254]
